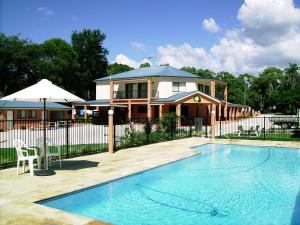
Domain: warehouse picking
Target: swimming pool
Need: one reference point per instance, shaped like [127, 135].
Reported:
[226, 184]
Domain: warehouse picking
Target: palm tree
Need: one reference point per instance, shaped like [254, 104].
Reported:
[291, 74]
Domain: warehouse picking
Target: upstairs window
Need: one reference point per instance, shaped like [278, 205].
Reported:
[206, 90]
[178, 87]
[201, 87]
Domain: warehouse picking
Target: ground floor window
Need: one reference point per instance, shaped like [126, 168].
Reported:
[21, 114]
[142, 109]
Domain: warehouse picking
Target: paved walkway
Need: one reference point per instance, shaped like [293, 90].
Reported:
[17, 193]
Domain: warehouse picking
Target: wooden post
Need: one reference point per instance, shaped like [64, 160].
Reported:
[213, 88]
[225, 111]
[111, 89]
[129, 110]
[225, 94]
[149, 90]
[160, 111]
[149, 95]
[149, 111]
[73, 112]
[213, 120]
[85, 114]
[111, 131]
[178, 114]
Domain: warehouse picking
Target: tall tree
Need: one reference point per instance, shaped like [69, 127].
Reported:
[92, 59]
[291, 74]
[235, 87]
[199, 72]
[146, 64]
[59, 64]
[115, 68]
[19, 59]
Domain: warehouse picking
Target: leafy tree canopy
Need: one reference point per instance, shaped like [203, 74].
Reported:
[146, 64]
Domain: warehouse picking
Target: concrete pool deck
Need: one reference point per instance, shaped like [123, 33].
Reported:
[18, 193]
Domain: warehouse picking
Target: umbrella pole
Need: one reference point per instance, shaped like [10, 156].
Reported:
[45, 171]
[45, 145]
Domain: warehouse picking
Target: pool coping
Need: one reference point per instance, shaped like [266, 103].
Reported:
[61, 217]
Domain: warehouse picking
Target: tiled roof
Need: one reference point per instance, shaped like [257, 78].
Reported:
[5, 104]
[154, 71]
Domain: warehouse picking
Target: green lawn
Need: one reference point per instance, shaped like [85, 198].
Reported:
[274, 136]
[8, 156]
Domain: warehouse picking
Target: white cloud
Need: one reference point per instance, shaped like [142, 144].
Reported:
[210, 25]
[269, 21]
[123, 59]
[138, 45]
[45, 11]
[269, 36]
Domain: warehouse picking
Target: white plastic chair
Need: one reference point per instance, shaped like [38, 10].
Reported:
[23, 156]
[55, 150]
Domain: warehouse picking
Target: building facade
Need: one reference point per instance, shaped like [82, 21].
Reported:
[153, 91]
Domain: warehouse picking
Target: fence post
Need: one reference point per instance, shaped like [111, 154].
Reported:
[190, 127]
[220, 129]
[264, 128]
[172, 127]
[67, 137]
[147, 130]
[114, 137]
[206, 133]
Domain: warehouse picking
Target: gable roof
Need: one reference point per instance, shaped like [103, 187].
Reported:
[154, 71]
[182, 95]
[5, 104]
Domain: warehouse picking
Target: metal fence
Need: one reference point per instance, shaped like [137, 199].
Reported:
[75, 137]
[285, 128]
[81, 137]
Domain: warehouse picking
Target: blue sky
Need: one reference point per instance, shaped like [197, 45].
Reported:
[136, 29]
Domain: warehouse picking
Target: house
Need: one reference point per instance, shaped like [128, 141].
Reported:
[14, 114]
[153, 91]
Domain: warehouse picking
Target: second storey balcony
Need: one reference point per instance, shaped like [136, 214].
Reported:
[133, 94]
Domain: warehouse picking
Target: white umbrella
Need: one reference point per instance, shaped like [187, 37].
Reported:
[43, 91]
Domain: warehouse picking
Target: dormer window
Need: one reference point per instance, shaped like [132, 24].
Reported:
[178, 87]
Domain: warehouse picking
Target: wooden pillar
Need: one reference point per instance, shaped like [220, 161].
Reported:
[225, 93]
[111, 89]
[230, 113]
[73, 112]
[219, 111]
[225, 111]
[149, 95]
[213, 88]
[85, 114]
[111, 131]
[149, 111]
[178, 114]
[160, 111]
[129, 110]
[149, 90]
[213, 120]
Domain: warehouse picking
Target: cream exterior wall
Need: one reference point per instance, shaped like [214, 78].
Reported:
[162, 85]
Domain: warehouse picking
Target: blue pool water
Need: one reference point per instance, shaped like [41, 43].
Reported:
[227, 184]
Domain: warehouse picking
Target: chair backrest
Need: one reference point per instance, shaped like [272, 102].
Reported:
[240, 127]
[257, 127]
[40, 144]
[19, 144]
